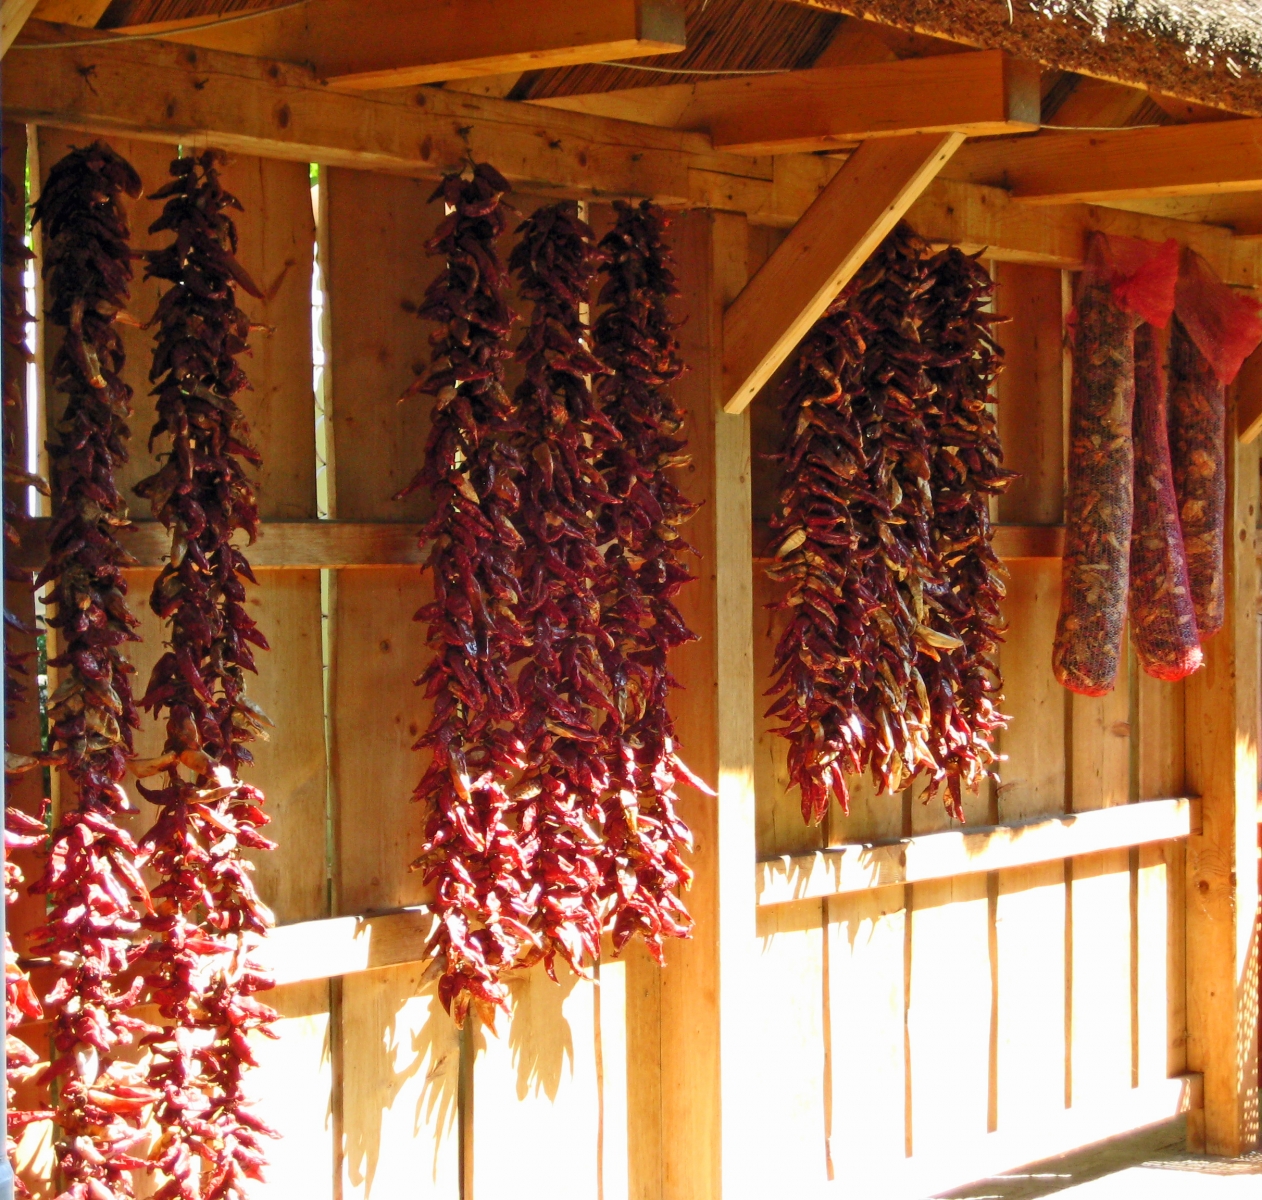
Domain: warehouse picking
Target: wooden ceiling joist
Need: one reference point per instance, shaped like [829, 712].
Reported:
[834, 237]
[161, 92]
[361, 45]
[827, 107]
[13, 16]
[1130, 164]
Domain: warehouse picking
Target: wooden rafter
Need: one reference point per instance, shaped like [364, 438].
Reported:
[360, 45]
[13, 16]
[801, 111]
[71, 12]
[862, 203]
[1176, 160]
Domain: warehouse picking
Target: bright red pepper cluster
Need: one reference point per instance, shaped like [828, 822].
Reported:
[207, 916]
[890, 457]
[94, 889]
[634, 337]
[556, 558]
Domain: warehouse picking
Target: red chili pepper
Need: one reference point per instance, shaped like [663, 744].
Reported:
[207, 917]
[95, 895]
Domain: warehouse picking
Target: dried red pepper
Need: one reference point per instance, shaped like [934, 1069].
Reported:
[94, 889]
[634, 337]
[1100, 506]
[476, 854]
[853, 538]
[568, 710]
[964, 683]
[1162, 616]
[208, 917]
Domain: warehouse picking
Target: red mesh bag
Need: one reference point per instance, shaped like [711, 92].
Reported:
[1125, 280]
[1163, 622]
[1215, 330]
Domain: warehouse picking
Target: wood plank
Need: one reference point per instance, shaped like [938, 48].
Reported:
[71, 12]
[282, 545]
[826, 107]
[13, 16]
[281, 111]
[1249, 399]
[832, 240]
[398, 43]
[1222, 862]
[401, 1055]
[1176, 160]
[864, 866]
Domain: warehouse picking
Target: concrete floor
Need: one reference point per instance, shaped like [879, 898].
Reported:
[1151, 1165]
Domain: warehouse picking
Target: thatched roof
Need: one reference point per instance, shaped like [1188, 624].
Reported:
[1209, 51]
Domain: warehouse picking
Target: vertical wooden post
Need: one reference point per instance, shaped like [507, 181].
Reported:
[1222, 892]
[704, 1032]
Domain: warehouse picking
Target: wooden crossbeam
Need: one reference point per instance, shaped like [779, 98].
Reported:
[1133, 164]
[859, 868]
[361, 45]
[72, 12]
[834, 237]
[803, 111]
[13, 16]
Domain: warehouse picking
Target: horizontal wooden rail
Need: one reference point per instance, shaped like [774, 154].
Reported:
[1011, 541]
[864, 866]
[324, 949]
[281, 545]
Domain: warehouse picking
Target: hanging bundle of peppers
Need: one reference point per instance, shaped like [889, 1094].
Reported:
[634, 337]
[967, 470]
[854, 538]
[568, 711]
[479, 839]
[95, 892]
[208, 917]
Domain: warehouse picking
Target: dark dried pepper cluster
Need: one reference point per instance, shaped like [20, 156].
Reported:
[477, 853]
[208, 917]
[634, 337]
[886, 660]
[568, 711]
[967, 471]
[94, 889]
[556, 559]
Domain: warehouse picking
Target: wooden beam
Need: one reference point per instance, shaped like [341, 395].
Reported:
[361, 45]
[1177, 160]
[859, 868]
[339, 946]
[821, 109]
[13, 16]
[834, 237]
[1249, 398]
[1012, 542]
[85, 13]
[282, 545]
[203, 97]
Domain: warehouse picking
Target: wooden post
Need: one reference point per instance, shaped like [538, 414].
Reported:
[1222, 893]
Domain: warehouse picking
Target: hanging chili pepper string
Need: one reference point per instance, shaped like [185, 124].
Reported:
[479, 836]
[634, 337]
[964, 683]
[565, 694]
[94, 889]
[208, 917]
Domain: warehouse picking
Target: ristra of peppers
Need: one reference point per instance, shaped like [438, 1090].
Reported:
[208, 917]
[476, 856]
[964, 684]
[94, 889]
[634, 337]
[566, 697]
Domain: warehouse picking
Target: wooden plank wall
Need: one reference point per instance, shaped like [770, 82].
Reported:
[800, 1046]
[911, 1021]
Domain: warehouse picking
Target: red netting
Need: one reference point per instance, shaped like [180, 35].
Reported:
[1163, 623]
[1143, 275]
[1224, 324]
[1198, 450]
[1098, 514]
